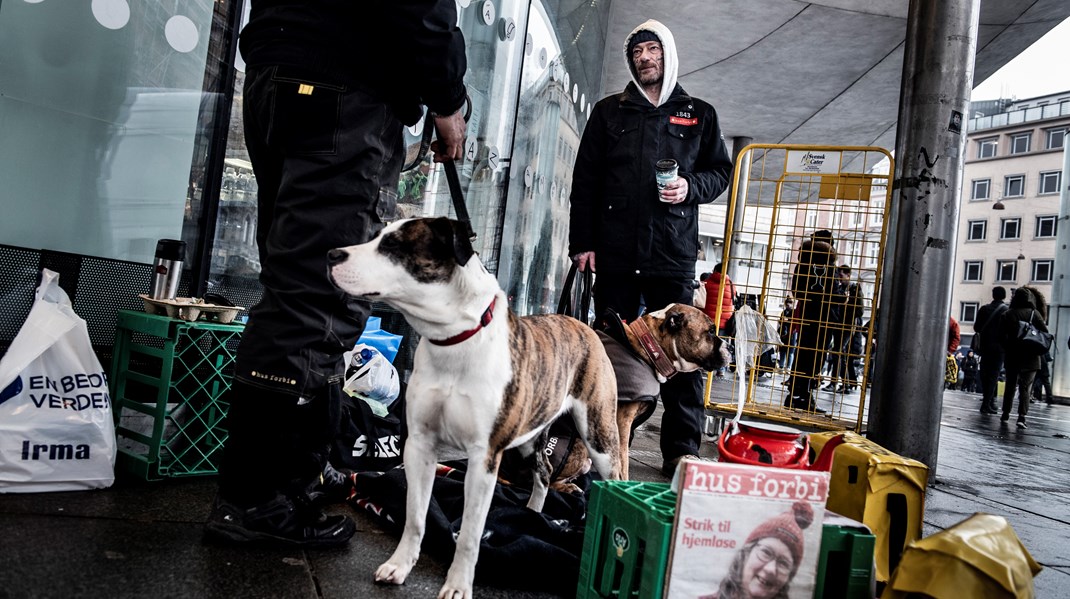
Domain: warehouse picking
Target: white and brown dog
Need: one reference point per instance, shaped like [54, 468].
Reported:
[483, 379]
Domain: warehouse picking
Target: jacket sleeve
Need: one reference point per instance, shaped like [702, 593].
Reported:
[588, 180]
[713, 167]
[433, 46]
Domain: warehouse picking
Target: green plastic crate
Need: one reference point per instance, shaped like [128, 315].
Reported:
[845, 568]
[627, 539]
[167, 381]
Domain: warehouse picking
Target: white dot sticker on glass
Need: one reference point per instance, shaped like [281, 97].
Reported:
[542, 58]
[575, 93]
[529, 44]
[506, 29]
[488, 12]
[566, 78]
[492, 157]
[113, 14]
[181, 33]
[464, 3]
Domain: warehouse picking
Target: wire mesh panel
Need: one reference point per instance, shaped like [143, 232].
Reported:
[807, 232]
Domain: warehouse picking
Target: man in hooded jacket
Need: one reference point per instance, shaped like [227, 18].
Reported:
[646, 240]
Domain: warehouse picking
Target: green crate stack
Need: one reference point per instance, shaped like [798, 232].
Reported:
[626, 543]
[845, 566]
[167, 381]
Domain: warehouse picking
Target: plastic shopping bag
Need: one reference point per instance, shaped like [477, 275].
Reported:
[371, 377]
[386, 342]
[56, 428]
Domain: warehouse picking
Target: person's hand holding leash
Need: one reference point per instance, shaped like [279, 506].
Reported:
[450, 142]
[674, 191]
[583, 259]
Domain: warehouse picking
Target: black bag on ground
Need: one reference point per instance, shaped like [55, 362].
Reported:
[519, 549]
[366, 441]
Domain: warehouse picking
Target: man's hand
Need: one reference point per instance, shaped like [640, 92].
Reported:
[675, 191]
[583, 260]
[450, 142]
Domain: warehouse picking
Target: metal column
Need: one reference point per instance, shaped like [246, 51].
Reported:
[1059, 310]
[937, 78]
[738, 143]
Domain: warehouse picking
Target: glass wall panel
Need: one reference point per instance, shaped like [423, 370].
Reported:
[494, 49]
[99, 108]
[561, 81]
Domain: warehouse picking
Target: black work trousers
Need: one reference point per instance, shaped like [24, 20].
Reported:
[681, 396]
[991, 364]
[326, 156]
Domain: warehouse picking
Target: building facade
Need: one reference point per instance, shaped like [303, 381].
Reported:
[1010, 202]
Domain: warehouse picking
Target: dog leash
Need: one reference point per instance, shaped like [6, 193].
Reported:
[453, 180]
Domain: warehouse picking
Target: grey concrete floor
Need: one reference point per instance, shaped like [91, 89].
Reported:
[144, 539]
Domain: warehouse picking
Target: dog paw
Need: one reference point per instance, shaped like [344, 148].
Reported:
[391, 573]
[451, 592]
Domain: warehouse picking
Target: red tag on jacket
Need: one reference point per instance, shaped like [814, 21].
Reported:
[675, 120]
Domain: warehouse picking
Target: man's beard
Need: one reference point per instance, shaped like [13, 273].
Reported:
[651, 77]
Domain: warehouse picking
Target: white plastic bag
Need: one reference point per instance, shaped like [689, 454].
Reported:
[372, 378]
[56, 428]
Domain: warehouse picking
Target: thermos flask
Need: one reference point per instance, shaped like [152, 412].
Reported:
[167, 268]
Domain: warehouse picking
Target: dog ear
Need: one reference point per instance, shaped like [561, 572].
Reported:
[674, 321]
[455, 235]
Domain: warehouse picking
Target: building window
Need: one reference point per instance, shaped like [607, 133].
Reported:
[1010, 228]
[1046, 226]
[986, 148]
[1020, 143]
[1049, 182]
[977, 231]
[968, 312]
[1055, 139]
[974, 271]
[872, 254]
[1042, 271]
[811, 220]
[981, 189]
[1014, 186]
[1006, 271]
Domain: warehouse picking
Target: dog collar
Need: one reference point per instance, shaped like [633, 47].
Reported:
[657, 355]
[488, 315]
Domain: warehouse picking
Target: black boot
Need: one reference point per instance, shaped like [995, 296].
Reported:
[277, 523]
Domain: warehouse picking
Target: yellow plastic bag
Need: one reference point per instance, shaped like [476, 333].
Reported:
[978, 557]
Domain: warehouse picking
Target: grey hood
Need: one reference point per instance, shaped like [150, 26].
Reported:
[668, 50]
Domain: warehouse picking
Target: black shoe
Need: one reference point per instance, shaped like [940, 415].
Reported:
[803, 403]
[333, 487]
[668, 468]
[1021, 423]
[277, 523]
[988, 410]
[1005, 417]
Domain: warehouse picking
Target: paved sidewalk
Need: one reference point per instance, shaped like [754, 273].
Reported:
[144, 540]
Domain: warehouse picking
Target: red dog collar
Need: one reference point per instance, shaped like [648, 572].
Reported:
[488, 315]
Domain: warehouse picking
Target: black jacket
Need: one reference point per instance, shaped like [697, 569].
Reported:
[987, 324]
[408, 53]
[615, 208]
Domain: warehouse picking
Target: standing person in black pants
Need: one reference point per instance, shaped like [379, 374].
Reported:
[645, 237]
[811, 285]
[987, 326]
[328, 87]
[1027, 305]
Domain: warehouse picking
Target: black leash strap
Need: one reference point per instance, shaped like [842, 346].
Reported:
[453, 180]
[578, 309]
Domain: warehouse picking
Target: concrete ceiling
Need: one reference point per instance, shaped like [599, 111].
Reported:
[785, 71]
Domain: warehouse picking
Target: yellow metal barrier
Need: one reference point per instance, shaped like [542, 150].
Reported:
[792, 199]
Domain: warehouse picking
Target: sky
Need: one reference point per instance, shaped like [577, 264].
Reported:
[1040, 69]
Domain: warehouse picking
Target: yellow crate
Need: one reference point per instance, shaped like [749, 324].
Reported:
[883, 490]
